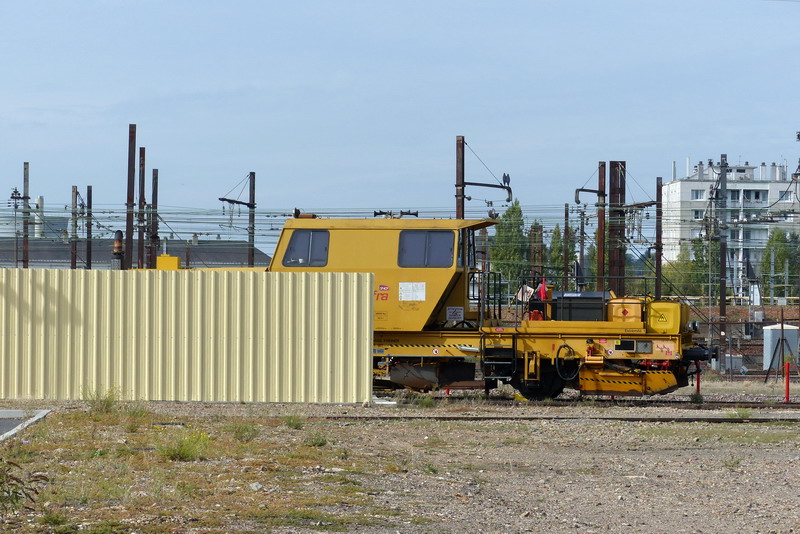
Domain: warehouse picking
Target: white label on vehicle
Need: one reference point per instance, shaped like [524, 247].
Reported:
[412, 291]
[455, 313]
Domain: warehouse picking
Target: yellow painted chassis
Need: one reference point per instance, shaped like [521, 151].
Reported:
[601, 350]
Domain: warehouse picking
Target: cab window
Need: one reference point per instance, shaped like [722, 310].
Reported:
[426, 248]
[307, 248]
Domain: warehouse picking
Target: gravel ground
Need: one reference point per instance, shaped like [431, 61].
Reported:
[576, 475]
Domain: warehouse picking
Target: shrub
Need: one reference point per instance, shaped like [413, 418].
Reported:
[316, 440]
[243, 431]
[18, 490]
[294, 422]
[188, 447]
[101, 402]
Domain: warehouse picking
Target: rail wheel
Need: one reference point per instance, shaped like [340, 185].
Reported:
[549, 386]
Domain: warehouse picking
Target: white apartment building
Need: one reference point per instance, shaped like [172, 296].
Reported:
[759, 199]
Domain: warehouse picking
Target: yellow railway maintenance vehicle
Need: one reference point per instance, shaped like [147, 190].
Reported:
[439, 322]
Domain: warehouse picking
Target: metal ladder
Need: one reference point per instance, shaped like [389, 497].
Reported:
[499, 362]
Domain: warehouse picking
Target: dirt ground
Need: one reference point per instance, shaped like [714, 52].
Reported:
[515, 467]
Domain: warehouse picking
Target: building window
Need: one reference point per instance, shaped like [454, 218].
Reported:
[697, 215]
[697, 194]
[426, 248]
[307, 248]
[733, 195]
[785, 196]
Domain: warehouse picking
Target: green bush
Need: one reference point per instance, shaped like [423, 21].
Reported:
[294, 422]
[316, 440]
[243, 431]
[187, 447]
[100, 401]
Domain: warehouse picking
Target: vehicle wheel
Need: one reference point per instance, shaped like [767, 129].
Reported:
[549, 386]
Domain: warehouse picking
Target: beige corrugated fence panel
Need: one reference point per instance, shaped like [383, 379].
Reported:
[186, 335]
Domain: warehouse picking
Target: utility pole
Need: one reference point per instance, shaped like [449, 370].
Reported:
[616, 231]
[581, 255]
[459, 177]
[566, 248]
[88, 226]
[26, 214]
[772, 276]
[537, 251]
[722, 207]
[786, 278]
[601, 226]
[251, 227]
[153, 226]
[73, 238]
[129, 204]
[659, 241]
[142, 204]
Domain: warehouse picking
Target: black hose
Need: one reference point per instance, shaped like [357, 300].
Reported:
[558, 367]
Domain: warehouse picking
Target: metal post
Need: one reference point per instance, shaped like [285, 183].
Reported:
[772, 275]
[722, 207]
[118, 255]
[128, 252]
[786, 278]
[140, 216]
[26, 213]
[601, 226]
[153, 226]
[459, 177]
[616, 255]
[251, 226]
[73, 238]
[659, 242]
[88, 226]
[581, 255]
[565, 248]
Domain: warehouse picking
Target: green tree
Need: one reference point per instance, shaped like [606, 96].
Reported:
[510, 248]
[705, 267]
[556, 252]
[786, 249]
[681, 279]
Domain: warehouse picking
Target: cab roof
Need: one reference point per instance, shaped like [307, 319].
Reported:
[389, 224]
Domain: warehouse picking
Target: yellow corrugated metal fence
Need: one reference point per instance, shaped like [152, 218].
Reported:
[186, 335]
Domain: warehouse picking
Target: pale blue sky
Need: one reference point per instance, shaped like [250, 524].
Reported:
[358, 103]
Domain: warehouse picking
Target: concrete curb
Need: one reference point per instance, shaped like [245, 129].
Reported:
[21, 414]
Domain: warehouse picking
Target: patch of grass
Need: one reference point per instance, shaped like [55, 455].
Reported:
[108, 527]
[730, 433]
[54, 519]
[186, 447]
[243, 431]
[317, 439]
[430, 468]
[101, 401]
[740, 413]
[430, 442]
[731, 464]
[514, 441]
[696, 398]
[295, 422]
[98, 453]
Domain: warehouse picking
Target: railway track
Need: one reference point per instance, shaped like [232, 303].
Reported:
[728, 411]
[671, 418]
